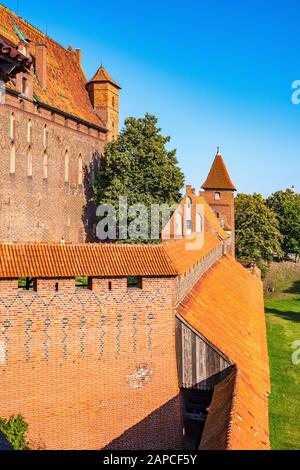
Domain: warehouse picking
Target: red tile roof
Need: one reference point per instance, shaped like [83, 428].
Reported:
[66, 82]
[226, 306]
[103, 76]
[184, 258]
[64, 260]
[218, 177]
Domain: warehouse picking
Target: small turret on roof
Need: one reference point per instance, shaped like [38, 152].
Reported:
[218, 177]
[103, 76]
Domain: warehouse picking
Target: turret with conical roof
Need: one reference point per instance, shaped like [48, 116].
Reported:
[104, 95]
[219, 193]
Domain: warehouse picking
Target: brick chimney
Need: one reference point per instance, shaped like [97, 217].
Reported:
[41, 64]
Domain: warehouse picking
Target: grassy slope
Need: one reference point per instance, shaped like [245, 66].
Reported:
[283, 326]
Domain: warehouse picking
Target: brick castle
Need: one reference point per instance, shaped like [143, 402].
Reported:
[162, 347]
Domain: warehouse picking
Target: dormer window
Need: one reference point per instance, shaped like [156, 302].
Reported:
[217, 196]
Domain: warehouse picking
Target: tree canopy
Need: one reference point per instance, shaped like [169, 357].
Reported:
[139, 166]
[257, 229]
[286, 204]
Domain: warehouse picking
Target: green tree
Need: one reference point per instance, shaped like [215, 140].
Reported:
[257, 229]
[286, 204]
[15, 429]
[139, 167]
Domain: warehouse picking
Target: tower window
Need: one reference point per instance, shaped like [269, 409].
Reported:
[113, 101]
[188, 216]
[45, 165]
[24, 86]
[66, 166]
[217, 196]
[80, 170]
[29, 163]
[12, 161]
[12, 132]
[29, 132]
[45, 136]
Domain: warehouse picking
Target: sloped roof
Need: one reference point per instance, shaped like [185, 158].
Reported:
[218, 177]
[66, 260]
[103, 76]
[226, 307]
[66, 81]
[184, 258]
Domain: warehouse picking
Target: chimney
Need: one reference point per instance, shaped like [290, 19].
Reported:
[41, 64]
[78, 55]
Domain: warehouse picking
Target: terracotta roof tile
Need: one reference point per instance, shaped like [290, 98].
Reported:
[184, 258]
[10, 50]
[218, 177]
[103, 76]
[64, 260]
[66, 81]
[226, 306]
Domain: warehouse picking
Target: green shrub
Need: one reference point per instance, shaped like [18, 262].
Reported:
[14, 429]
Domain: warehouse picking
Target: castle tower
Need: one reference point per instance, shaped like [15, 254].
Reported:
[104, 96]
[219, 194]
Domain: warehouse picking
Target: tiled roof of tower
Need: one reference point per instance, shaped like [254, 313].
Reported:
[103, 76]
[218, 177]
[66, 82]
[226, 307]
[66, 260]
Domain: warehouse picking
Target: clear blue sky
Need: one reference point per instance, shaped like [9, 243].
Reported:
[216, 73]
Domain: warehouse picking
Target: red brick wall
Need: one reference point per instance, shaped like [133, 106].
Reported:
[38, 209]
[90, 369]
[225, 208]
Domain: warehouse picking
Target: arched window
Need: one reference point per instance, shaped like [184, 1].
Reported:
[29, 132]
[113, 101]
[199, 223]
[80, 170]
[29, 162]
[24, 86]
[178, 225]
[12, 160]
[188, 209]
[45, 136]
[66, 166]
[12, 131]
[45, 165]
[217, 196]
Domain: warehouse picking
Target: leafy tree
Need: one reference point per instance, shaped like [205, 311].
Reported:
[257, 229]
[286, 204]
[14, 429]
[139, 167]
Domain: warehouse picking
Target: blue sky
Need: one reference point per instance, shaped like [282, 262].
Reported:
[216, 73]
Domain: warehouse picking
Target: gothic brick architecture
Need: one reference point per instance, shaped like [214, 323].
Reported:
[53, 127]
[107, 346]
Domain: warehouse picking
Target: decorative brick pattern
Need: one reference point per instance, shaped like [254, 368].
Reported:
[80, 364]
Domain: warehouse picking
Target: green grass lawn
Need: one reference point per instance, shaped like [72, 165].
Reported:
[283, 327]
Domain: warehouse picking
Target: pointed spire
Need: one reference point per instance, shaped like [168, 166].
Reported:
[218, 177]
[102, 76]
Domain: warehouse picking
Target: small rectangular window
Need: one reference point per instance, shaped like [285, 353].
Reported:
[27, 283]
[83, 282]
[134, 282]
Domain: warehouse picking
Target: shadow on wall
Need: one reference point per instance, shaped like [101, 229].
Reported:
[89, 210]
[160, 430]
